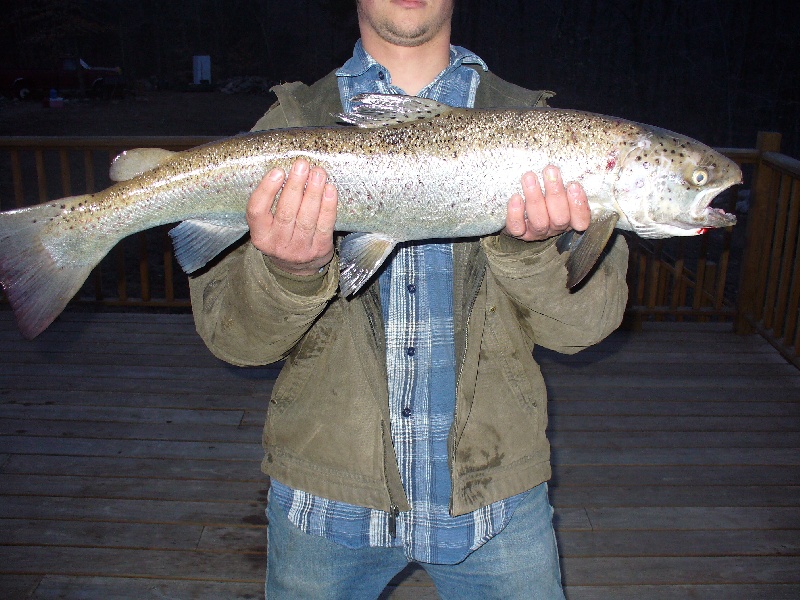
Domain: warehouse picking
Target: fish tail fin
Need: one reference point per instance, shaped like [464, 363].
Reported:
[36, 285]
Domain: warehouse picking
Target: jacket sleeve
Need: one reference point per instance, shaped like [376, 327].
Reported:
[249, 312]
[533, 277]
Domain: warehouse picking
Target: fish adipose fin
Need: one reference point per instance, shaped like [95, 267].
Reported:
[585, 248]
[360, 256]
[197, 242]
[134, 162]
[378, 110]
[37, 287]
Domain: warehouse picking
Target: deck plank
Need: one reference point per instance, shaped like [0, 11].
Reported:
[130, 456]
[126, 588]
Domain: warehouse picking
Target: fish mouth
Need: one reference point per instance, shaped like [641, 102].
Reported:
[708, 218]
[703, 216]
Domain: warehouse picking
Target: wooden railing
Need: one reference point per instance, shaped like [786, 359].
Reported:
[769, 290]
[738, 273]
[141, 270]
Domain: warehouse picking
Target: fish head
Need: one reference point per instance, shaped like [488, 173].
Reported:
[666, 183]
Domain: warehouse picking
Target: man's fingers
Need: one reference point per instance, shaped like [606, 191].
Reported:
[327, 212]
[308, 211]
[515, 217]
[558, 207]
[292, 195]
[580, 213]
[536, 211]
[259, 206]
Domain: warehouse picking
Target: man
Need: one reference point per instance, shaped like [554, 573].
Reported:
[408, 422]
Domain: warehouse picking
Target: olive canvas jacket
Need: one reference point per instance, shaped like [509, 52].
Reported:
[327, 428]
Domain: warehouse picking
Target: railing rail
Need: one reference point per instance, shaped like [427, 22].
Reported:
[140, 271]
[724, 275]
[769, 290]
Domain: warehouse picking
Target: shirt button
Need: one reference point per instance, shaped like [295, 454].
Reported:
[411, 351]
[412, 289]
[381, 76]
[406, 412]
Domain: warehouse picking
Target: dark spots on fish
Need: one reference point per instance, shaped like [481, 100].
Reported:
[34, 221]
[63, 206]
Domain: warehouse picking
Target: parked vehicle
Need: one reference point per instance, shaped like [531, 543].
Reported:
[73, 76]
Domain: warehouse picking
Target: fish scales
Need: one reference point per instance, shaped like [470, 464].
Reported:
[450, 163]
[411, 169]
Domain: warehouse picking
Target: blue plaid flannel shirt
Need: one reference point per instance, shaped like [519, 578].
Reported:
[417, 300]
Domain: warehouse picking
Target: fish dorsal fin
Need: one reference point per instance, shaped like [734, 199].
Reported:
[196, 242]
[134, 162]
[378, 110]
[360, 256]
[585, 248]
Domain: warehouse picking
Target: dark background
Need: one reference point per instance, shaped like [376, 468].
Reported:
[717, 70]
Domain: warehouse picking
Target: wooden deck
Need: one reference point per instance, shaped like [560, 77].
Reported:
[129, 466]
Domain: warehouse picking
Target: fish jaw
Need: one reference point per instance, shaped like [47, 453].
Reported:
[707, 218]
[667, 182]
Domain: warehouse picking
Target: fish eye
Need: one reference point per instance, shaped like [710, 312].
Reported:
[700, 177]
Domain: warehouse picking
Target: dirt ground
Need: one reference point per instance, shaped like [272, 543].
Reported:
[152, 113]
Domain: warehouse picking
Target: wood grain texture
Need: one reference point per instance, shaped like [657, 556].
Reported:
[129, 465]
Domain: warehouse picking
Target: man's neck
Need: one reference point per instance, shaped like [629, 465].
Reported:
[412, 68]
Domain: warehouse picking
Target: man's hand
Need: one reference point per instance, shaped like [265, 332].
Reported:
[539, 216]
[298, 238]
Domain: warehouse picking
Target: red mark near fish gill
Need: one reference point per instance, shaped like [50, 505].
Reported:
[702, 230]
[612, 162]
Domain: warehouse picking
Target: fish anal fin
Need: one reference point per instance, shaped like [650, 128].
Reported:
[134, 162]
[585, 248]
[379, 110]
[360, 256]
[196, 242]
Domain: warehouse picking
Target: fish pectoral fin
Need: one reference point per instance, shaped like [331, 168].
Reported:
[360, 256]
[585, 248]
[134, 162]
[378, 110]
[196, 242]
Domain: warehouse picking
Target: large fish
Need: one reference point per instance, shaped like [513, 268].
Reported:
[410, 169]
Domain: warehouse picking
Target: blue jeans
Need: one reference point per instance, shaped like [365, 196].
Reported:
[521, 562]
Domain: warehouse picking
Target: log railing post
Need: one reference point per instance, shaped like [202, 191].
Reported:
[757, 238]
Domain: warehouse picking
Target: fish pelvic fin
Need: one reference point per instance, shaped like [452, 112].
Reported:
[360, 256]
[37, 286]
[196, 242]
[379, 110]
[134, 162]
[585, 248]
